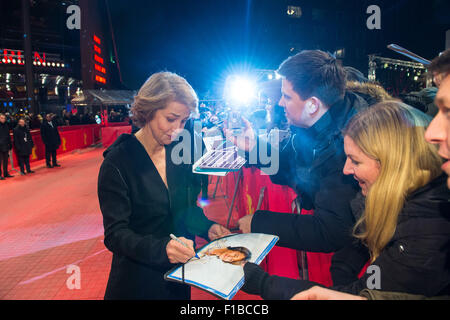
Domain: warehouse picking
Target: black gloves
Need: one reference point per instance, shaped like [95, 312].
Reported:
[254, 278]
[259, 282]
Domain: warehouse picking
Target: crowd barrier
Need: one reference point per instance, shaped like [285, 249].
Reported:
[111, 133]
[72, 138]
[280, 261]
[75, 137]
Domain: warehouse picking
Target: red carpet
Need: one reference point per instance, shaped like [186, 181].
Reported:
[51, 220]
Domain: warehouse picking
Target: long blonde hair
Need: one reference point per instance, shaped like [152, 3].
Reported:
[392, 133]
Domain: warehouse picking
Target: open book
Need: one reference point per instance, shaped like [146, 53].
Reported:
[211, 273]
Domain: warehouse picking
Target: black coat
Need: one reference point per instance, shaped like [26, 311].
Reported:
[139, 214]
[23, 141]
[5, 138]
[50, 135]
[415, 261]
[311, 163]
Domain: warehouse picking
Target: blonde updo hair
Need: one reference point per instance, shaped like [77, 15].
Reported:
[157, 92]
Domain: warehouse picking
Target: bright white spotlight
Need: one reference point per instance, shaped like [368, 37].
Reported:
[240, 90]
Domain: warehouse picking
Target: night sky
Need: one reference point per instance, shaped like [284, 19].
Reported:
[205, 40]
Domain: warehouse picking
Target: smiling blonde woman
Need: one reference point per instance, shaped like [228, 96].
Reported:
[402, 212]
[391, 135]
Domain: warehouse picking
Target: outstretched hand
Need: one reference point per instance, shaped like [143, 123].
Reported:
[245, 223]
[217, 231]
[246, 140]
[319, 293]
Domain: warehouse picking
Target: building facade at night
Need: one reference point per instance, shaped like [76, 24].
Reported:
[69, 45]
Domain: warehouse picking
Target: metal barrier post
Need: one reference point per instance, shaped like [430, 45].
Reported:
[301, 255]
[230, 211]
[12, 161]
[217, 185]
[260, 199]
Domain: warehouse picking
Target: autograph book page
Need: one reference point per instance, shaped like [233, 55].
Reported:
[214, 272]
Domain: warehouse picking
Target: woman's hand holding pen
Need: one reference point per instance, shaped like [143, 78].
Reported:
[177, 253]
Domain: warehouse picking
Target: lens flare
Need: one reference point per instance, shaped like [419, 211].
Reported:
[203, 202]
[240, 90]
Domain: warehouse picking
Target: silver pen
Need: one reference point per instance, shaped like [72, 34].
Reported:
[182, 243]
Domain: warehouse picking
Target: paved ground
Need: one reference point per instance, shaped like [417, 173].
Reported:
[51, 228]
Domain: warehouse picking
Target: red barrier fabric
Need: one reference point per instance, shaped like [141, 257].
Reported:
[96, 128]
[364, 269]
[118, 124]
[280, 261]
[110, 134]
[72, 138]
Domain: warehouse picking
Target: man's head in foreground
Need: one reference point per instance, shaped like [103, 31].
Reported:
[438, 131]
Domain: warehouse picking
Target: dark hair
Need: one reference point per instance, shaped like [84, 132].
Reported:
[441, 64]
[355, 75]
[414, 100]
[315, 73]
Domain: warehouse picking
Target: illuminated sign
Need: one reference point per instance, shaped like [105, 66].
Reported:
[100, 79]
[99, 61]
[40, 59]
[8, 56]
[97, 49]
[97, 39]
[100, 69]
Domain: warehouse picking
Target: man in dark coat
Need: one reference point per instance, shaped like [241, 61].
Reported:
[5, 146]
[51, 139]
[24, 145]
[317, 107]
[420, 203]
